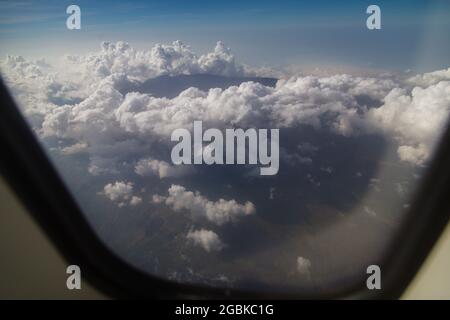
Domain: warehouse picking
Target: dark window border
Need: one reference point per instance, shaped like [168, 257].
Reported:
[26, 168]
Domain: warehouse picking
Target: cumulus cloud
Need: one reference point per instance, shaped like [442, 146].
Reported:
[218, 212]
[135, 200]
[74, 149]
[40, 87]
[303, 266]
[174, 59]
[430, 78]
[37, 87]
[412, 118]
[415, 119]
[156, 198]
[292, 102]
[416, 155]
[84, 110]
[121, 193]
[150, 166]
[112, 124]
[206, 239]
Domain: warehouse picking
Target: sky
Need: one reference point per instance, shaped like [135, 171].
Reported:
[326, 33]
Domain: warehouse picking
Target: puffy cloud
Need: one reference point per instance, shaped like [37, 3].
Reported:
[417, 155]
[292, 102]
[218, 212]
[92, 118]
[36, 87]
[118, 191]
[206, 239]
[150, 166]
[135, 200]
[37, 76]
[112, 124]
[430, 78]
[221, 61]
[74, 149]
[121, 193]
[303, 266]
[86, 111]
[156, 198]
[91, 123]
[161, 59]
[373, 87]
[414, 119]
[40, 88]
[19, 67]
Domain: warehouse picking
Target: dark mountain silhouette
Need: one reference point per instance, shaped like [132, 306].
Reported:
[172, 86]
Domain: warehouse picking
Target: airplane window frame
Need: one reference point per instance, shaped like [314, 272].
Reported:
[38, 185]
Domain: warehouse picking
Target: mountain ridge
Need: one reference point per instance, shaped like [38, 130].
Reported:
[171, 86]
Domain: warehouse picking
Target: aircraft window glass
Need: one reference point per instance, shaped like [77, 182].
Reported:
[256, 145]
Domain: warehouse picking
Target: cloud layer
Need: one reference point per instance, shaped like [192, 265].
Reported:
[218, 212]
[411, 111]
[413, 118]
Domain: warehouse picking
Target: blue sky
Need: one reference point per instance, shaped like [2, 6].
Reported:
[414, 34]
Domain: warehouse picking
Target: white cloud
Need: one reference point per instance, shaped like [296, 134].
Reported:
[303, 266]
[206, 239]
[430, 78]
[416, 155]
[218, 212]
[174, 59]
[118, 190]
[150, 166]
[40, 87]
[415, 120]
[74, 149]
[410, 118]
[293, 102]
[121, 193]
[221, 61]
[135, 200]
[36, 86]
[112, 124]
[156, 198]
